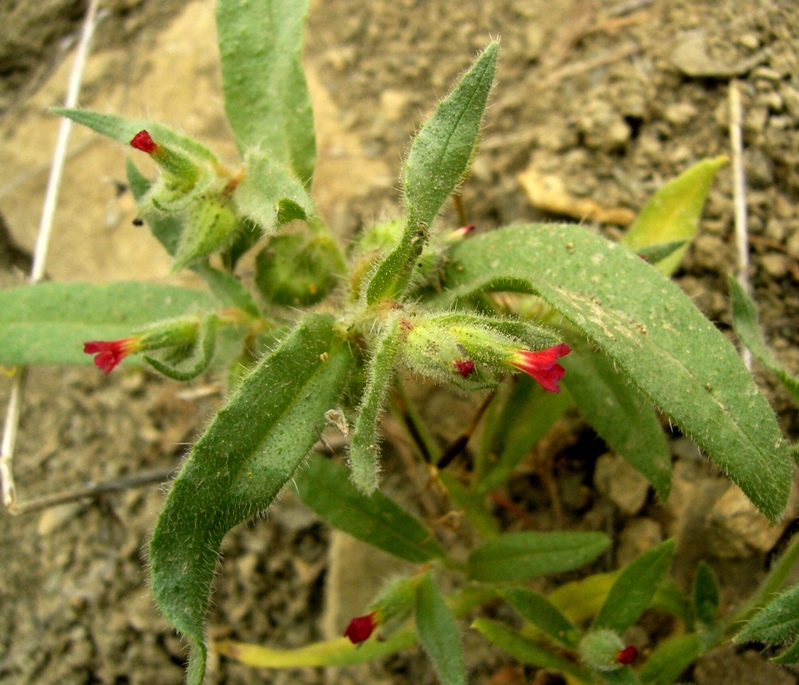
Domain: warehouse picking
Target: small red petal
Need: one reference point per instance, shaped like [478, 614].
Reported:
[542, 365]
[627, 656]
[465, 367]
[144, 142]
[109, 352]
[360, 628]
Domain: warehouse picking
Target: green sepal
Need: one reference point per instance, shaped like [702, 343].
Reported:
[205, 346]
[210, 226]
[439, 158]
[167, 228]
[599, 650]
[364, 453]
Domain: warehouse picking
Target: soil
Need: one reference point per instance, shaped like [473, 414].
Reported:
[613, 97]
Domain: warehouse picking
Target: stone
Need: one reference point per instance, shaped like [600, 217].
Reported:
[638, 536]
[620, 483]
[775, 264]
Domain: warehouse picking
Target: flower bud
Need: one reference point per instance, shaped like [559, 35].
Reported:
[172, 162]
[361, 628]
[628, 655]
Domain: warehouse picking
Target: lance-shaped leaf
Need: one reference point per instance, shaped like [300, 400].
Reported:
[528, 652]
[650, 329]
[325, 487]
[438, 633]
[364, 455]
[776, 623]
[634, 588]
[657, 252]
[252, 447]
[438, 160]
[518, 556]
[673, 212]
[544, 615]
[122, 130]
[266, 96]
[706, 593]
[670, 659]
[744, 321]
[621, 415]
[49, 322]
[269, 194]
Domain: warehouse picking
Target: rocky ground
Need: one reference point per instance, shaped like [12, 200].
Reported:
[609, 98]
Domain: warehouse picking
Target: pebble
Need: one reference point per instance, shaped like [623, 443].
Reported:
[680, 113]
[621, 483]
[638, 536]
[775, 264]
[55, 518]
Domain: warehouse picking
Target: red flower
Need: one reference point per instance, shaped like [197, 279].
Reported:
[110, 353]
[627, 656]
[542, 365]
[360, 628]
[465, 367]
[144, 142]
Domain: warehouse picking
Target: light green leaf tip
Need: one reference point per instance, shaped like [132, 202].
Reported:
[673, 212]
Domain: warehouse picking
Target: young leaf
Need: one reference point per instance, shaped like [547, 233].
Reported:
[673, 212]
[620, 414]
[123, 130]
[744, 321]
[439, 634]
[251, 448]
[267, 190]
[650, 329]
[526, 651]
[539, 611]
[706, 593]
[775, 623]
[525, 417]
[438, 160]
[518, 556]
[581, 600]
[266, 96]
[634, 588]
[325, 487]
[48, 323]
[670, 659]
[365, 449]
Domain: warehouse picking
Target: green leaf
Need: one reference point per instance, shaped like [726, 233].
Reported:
[670, 659]
[581, 600]
[235, 470]
[48, 323]
[473, 505]
[634, 588]
[518, 556]
[268, 190]
[228, 289]
[744, 321]
[673, 212]
[123, 130]
[775, 623]
[659, 251]
[325, 487]
[650, 329]
[706, 593]
[266, 96]
[621, 415]
[788, 656]
[539, 611]
[364, 454]
[439, 158]
[526, 416]
[526, 651]
[439, 634]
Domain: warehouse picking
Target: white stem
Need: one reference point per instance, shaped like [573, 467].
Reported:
[739, 199]
[40, 254]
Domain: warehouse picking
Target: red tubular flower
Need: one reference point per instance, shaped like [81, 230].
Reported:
[465, 367]
[360, 628]
[627, 656]
[143, 141]
[110, 353]
[542, 365]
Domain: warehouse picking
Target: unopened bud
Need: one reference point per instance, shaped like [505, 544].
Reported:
[143, 141]
[600, 650]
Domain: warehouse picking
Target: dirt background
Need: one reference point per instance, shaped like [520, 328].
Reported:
[612, 98]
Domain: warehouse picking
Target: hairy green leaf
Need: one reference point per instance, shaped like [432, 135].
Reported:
[744, 321]
[268, 190]
[48, 323]
[634, 588]
[526, 651]
[650, 329]
[621, 415]
[325, 487]
[266, 96]
[670, 659]
[438, 160]
[439, 634]
[228, 289]
[539, 611]
[775, 623]
[251, 448]
[518, 556]
[673, 212]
